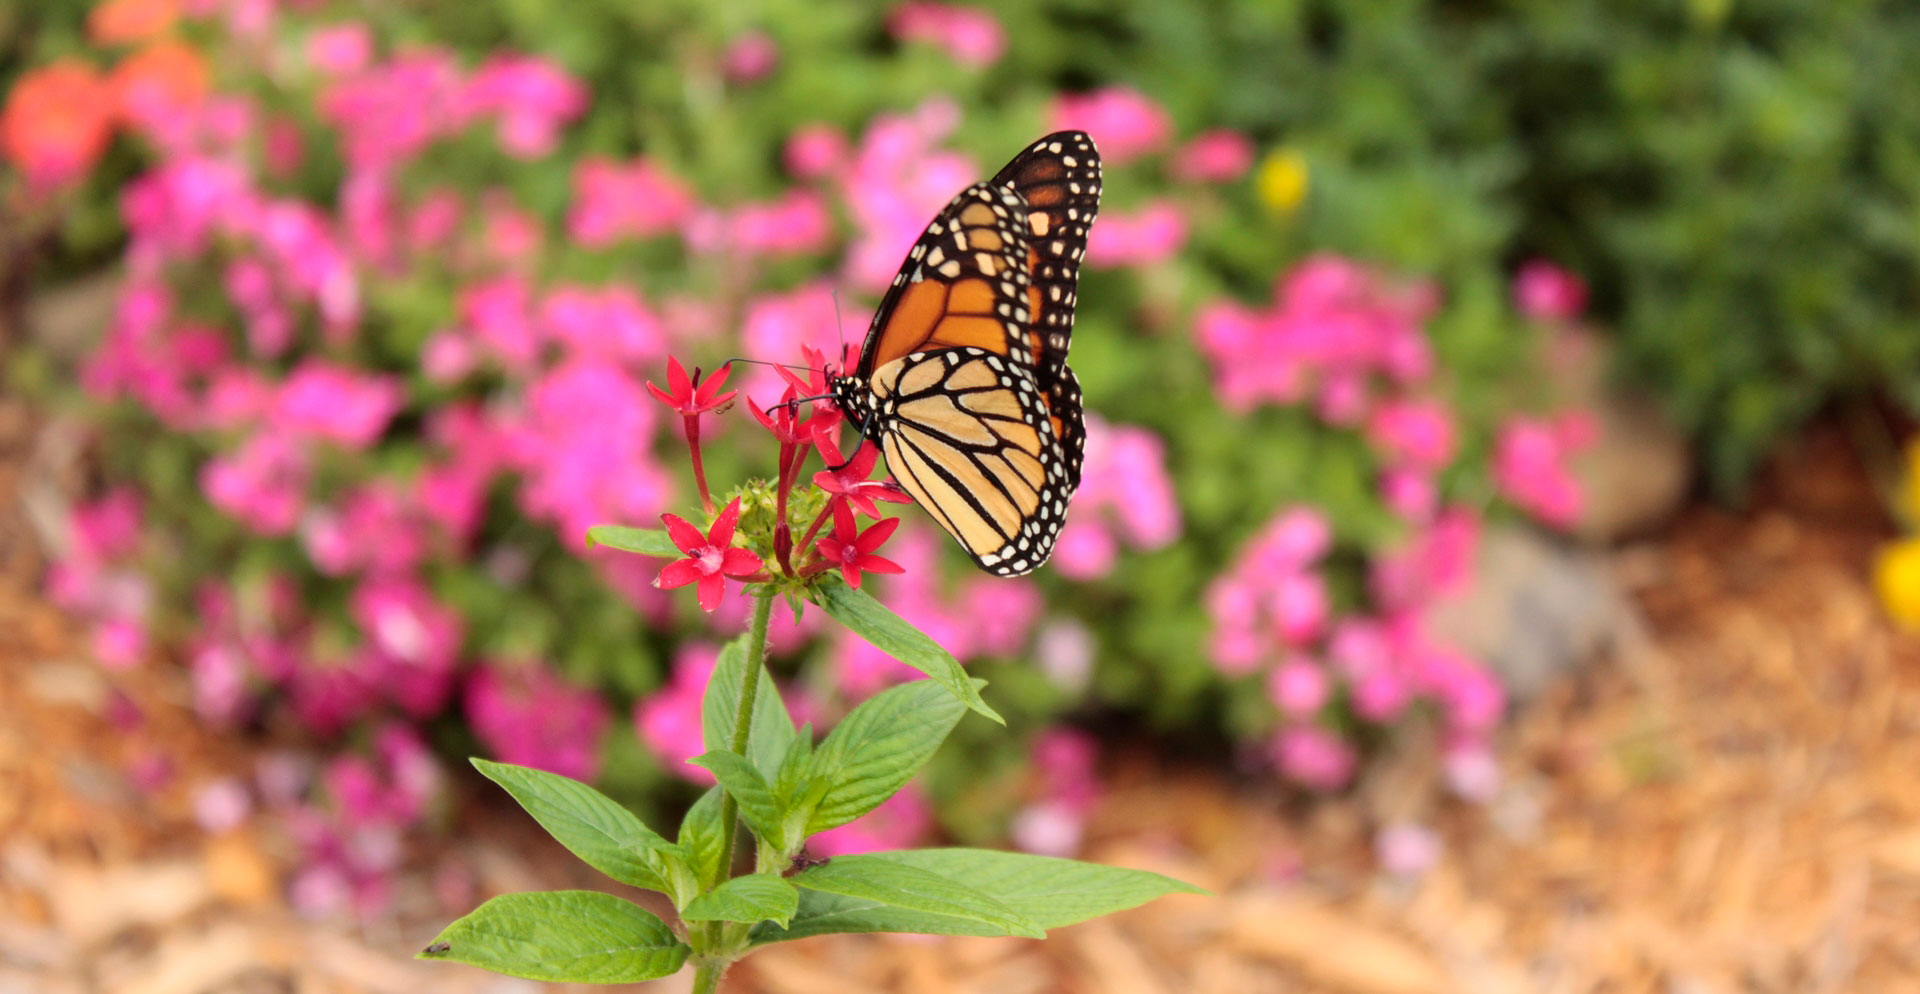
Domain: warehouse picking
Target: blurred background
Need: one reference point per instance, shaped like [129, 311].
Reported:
[1490, 574]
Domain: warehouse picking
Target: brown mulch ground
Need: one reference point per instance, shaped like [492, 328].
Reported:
[1730, 805]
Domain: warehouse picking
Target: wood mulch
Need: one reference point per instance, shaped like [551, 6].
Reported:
[1729, 803]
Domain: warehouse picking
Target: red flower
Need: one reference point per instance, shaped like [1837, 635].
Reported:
[691, 397]
[711, 558]
[57, 122]
[850, 481]
[852, 550]
[783, 421]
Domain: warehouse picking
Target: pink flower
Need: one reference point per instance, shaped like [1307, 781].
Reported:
[1218, 156]
[416, 638]
[1146, 237]
[750, 57]
[970, 35]
[851, 550]
[1124, 121]
[815, 150]
[782, 324]
[1004, 611]
[1313, 757]
[1530, 470]
[1410, 493]
[611, 323]
[499, 314]
[1299, 687]
[335, 403]
[1124, 486]
[897, 823]
[533, 98]
[711, 558]
[614, 201]
[1413, 432]
[1546, 292]
[668, 722]
[340, 49]
[582, 442]
[262, 484]
[1406, 850]
[388, 113]
[1299, 607]
[526, 716]
[1472, 772]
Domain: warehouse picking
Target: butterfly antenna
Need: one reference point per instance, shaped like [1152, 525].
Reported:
[839, 326]
[763, 362]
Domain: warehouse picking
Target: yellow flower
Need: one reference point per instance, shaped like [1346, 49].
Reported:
[1896, 577]
[1281, 182]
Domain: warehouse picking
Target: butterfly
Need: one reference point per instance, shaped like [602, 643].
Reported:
[962, 381]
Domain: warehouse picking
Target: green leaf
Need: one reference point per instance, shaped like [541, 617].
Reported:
[592, 826]
[909, 888]
[758, 808]
[772, 727]
[567, 936]
[794, 767]
[702, 837]
[878, 747]
[1049, 891]
[827, 914]
[891, 634]
[755, 897]
[645, 541]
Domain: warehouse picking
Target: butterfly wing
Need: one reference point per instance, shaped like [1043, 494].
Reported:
[1059, 178]
[948, 389]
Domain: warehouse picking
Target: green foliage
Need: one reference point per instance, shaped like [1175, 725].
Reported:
[581, 936]
[886, 631]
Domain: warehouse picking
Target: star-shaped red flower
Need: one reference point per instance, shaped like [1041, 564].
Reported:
[852, 550]
[686, 396]
[850, 481]
[711, 558]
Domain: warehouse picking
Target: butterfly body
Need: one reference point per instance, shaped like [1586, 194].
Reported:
[963, 381]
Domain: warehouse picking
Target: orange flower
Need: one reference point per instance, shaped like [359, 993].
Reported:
[57, 121]
[163, 78]
[117, 21]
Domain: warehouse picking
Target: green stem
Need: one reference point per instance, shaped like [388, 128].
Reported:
[706, 974]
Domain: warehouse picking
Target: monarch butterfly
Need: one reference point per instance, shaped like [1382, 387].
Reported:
[963, 380]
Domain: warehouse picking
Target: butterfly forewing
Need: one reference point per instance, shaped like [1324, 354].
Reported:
[1059, 178]
[963, 381]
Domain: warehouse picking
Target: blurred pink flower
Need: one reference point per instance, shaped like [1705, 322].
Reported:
[336, 403]
[1003, 611]
[816, 150]
[1544, 291]
[1299, 687]
[1124, 121]
[262, 484]
[533, 99]
[510, 235]
[1299, 606]
[896, 182]
[668, 721]
[417, 641]
[1145, 237]
[1313, 757]
[750, 57]
[1410, 493]
[1472, 772]
[1125, 492]
[499, 314]
[582, 442]
[527, 716]
[388, 113]
[1406, 850]
[613, 201]
[897, 823]
[609, 323]
[1530, 469]
[780, 325]
[1217, 156]
[970, 35]
[795, 224]
[1413, 432]
[340, 49]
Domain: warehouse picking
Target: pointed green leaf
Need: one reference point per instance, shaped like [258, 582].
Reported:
[567, 936]
[891, 634]
[755, 897]
[749, 789]
[591, 825]
[878, 747]
[772, 727]
[1049, 891]
[702, 837]
[826, 914]
[645, 541]
[909, 888]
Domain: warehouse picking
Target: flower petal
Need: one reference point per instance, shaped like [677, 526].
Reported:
[876, 534]
[678, 573]
[711, 587]
[844, 528]
[739, 562]
[852, 572]
[683, 533]
[721, 535]
[677, 381]
[878, 564]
